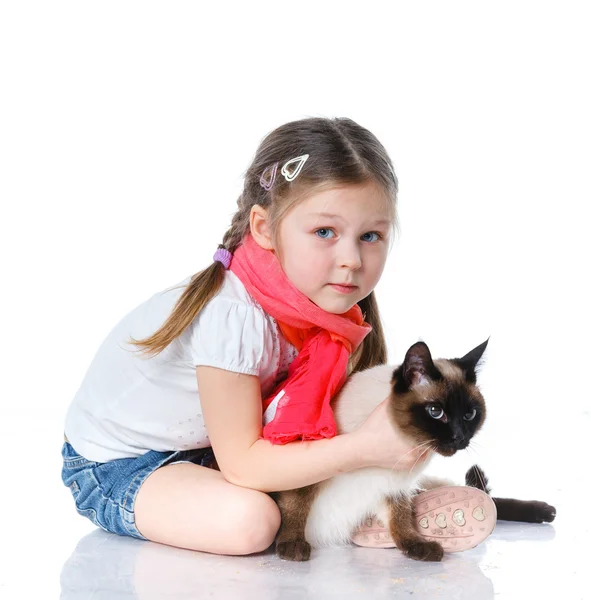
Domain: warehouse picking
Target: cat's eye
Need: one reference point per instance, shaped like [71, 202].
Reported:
[435, 411]
[470, 416]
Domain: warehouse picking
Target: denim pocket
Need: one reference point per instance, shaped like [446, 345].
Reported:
[78, 461]
[73, 460]
[87, 512]
[78, 476]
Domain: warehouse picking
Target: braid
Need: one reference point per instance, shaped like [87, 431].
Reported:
[238, 229]
[252, 194]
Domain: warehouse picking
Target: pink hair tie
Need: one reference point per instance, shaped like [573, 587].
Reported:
[224, 256]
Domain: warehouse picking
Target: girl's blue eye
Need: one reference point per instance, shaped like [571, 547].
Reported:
[329, 229]
[374, 233]
[323, 229]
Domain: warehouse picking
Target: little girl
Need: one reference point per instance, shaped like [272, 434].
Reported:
[288, 300]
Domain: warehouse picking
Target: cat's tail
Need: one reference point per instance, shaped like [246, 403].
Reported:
[475, 477]
[511, 509]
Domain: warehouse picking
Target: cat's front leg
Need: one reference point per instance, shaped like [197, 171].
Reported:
[402, 530]
[294, 506]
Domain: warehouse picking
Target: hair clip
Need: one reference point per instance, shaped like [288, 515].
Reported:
[299, 159]
[266, 179]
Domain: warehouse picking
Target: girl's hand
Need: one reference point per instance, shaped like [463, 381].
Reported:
[381, 445]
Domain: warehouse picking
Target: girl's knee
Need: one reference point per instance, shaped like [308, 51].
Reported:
[260, 522]
[227, 520]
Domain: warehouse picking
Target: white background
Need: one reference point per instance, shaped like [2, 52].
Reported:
[126, 127]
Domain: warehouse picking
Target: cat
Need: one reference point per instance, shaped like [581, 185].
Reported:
[436, 403]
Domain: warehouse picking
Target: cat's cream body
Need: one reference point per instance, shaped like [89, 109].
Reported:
[344, 501]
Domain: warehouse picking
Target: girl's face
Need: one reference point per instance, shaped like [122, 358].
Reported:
[349, 247]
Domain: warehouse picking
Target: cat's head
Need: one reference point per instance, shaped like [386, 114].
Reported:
[438, 400]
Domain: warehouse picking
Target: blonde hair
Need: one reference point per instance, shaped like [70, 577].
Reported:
[341, 152]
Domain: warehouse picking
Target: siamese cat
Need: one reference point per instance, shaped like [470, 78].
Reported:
[433, 402]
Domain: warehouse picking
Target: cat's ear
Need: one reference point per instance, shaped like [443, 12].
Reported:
[418, 367]
[470, 361]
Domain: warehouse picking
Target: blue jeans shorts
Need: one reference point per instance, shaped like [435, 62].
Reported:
[105, 492]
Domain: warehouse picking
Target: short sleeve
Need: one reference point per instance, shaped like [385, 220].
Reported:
[231, 335]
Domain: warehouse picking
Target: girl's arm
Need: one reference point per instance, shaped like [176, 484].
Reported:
[232, 410]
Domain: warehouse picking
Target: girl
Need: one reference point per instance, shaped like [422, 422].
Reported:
[307, 246]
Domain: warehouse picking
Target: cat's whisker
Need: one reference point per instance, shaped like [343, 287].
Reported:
[468, 449]
[421, 456]
[412, 450]
[407, 453]
[418, 446]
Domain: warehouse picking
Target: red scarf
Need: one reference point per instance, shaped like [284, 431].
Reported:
[324, 341]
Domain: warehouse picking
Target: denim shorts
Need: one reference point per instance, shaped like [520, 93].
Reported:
[105, 492]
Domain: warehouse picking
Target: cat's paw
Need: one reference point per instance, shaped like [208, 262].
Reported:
[541, 512]
[294, 550]
[420, 550]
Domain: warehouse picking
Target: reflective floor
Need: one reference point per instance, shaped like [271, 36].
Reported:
[52, 552]
[511, 563]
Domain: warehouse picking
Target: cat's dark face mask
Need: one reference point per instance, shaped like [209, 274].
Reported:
[438, 402]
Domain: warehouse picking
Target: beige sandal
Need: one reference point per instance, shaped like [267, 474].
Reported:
[458, 517]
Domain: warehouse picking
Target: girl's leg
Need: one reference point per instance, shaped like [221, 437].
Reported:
[193, 507]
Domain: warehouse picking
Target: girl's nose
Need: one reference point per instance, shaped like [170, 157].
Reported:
[351, 258]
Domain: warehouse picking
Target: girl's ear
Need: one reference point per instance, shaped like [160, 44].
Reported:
[259, 227]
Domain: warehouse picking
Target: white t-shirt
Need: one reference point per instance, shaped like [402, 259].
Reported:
[129, 403]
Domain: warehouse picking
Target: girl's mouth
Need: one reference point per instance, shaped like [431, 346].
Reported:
[344, 289]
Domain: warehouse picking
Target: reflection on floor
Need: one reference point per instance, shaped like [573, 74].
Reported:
[104, 565]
